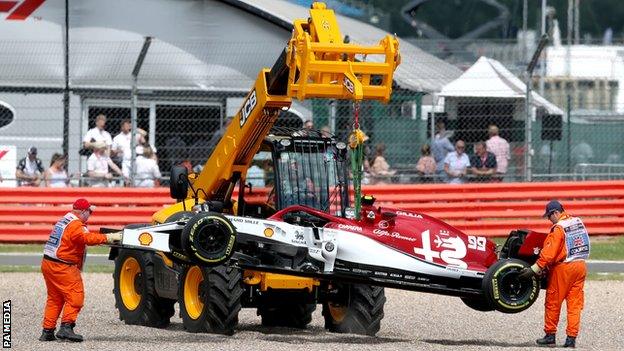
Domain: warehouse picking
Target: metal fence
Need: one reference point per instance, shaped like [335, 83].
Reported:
[183, 100]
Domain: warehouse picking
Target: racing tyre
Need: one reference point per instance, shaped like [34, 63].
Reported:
[504, 291]
[356, 309]
[135, 294]
[478, 304]
[286, 309]
[210, 299]
[208, 239]
[177, 254]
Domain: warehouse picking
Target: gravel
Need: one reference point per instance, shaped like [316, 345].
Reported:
[412, 321]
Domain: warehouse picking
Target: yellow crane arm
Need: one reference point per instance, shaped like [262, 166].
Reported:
[315, 64]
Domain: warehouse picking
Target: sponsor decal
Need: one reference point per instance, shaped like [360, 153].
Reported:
[145, 239]
[248, 107]
[453, 249]
[268, 232]
[394, 235]
[408, 214]
[383, 224]
[298, 239]
[353, 228]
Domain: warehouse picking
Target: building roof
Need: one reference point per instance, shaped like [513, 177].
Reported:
[218, 46]
[418, 71]
[489, 78]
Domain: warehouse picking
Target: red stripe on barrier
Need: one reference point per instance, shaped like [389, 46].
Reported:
[25, 9]
[5, 6]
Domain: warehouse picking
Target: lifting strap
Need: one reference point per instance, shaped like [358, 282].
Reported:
[356, 148]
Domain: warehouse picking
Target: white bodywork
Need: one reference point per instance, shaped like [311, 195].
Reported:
[331, 244]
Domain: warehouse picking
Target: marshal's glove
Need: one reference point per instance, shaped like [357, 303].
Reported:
[528, 272]
[113, 238]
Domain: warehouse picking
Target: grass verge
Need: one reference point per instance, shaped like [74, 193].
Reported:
[605, 276]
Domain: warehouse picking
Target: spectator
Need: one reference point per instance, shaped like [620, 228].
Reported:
[29, 170]
[582, 153]
[255, 175]
[500, 148]
[95, 134]
[426, 166]
[56, 176]
[120, 150]
[440, 147]
[308, 124]
[326, 132]
[98, 165]
[483, 164]
[380, 169]
[147, 171]
[456, 164]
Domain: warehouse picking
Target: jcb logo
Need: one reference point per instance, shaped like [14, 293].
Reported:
[20, 10]
[248, 107]
[349, 85]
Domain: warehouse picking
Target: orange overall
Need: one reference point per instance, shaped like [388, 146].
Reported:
[63, 258]
[567, 272]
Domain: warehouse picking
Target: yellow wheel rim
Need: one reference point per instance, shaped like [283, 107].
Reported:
[337, 312]
[130, 269]
[192, 301]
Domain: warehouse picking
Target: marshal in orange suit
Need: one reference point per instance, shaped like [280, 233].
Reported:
[63, 257]
[564, 253]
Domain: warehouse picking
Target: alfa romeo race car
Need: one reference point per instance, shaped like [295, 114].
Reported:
[386, 247]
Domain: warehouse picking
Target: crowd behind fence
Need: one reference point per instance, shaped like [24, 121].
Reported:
[181, 123]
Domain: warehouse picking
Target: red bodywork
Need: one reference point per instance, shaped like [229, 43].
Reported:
[415, 234]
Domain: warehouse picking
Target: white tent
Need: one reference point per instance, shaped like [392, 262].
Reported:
[489, 78]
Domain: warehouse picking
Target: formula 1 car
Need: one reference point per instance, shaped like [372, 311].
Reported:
[387, 247]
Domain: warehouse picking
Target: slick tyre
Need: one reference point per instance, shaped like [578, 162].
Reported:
[505, 291]
[177, 253]
[135, 294]
[286, 309]
[208, 239]
[478, 304]
[210, 299]
[356, 309]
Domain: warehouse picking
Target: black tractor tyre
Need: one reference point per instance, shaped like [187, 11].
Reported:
[208, 239]
[505, 291]
[359, 310]
[151, 310]
[478, 304]
[177, 254]
[292, 309]
[219, 294]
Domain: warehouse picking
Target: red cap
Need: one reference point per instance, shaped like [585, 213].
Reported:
[82, 204]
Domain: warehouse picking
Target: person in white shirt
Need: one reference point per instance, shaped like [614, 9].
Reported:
[121, 145]
[98, 133]
[147, 171]
[98, 166]
[56, 176]
[456, 164]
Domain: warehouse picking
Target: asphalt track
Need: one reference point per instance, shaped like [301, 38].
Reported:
[32, 259]
[413, 321]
